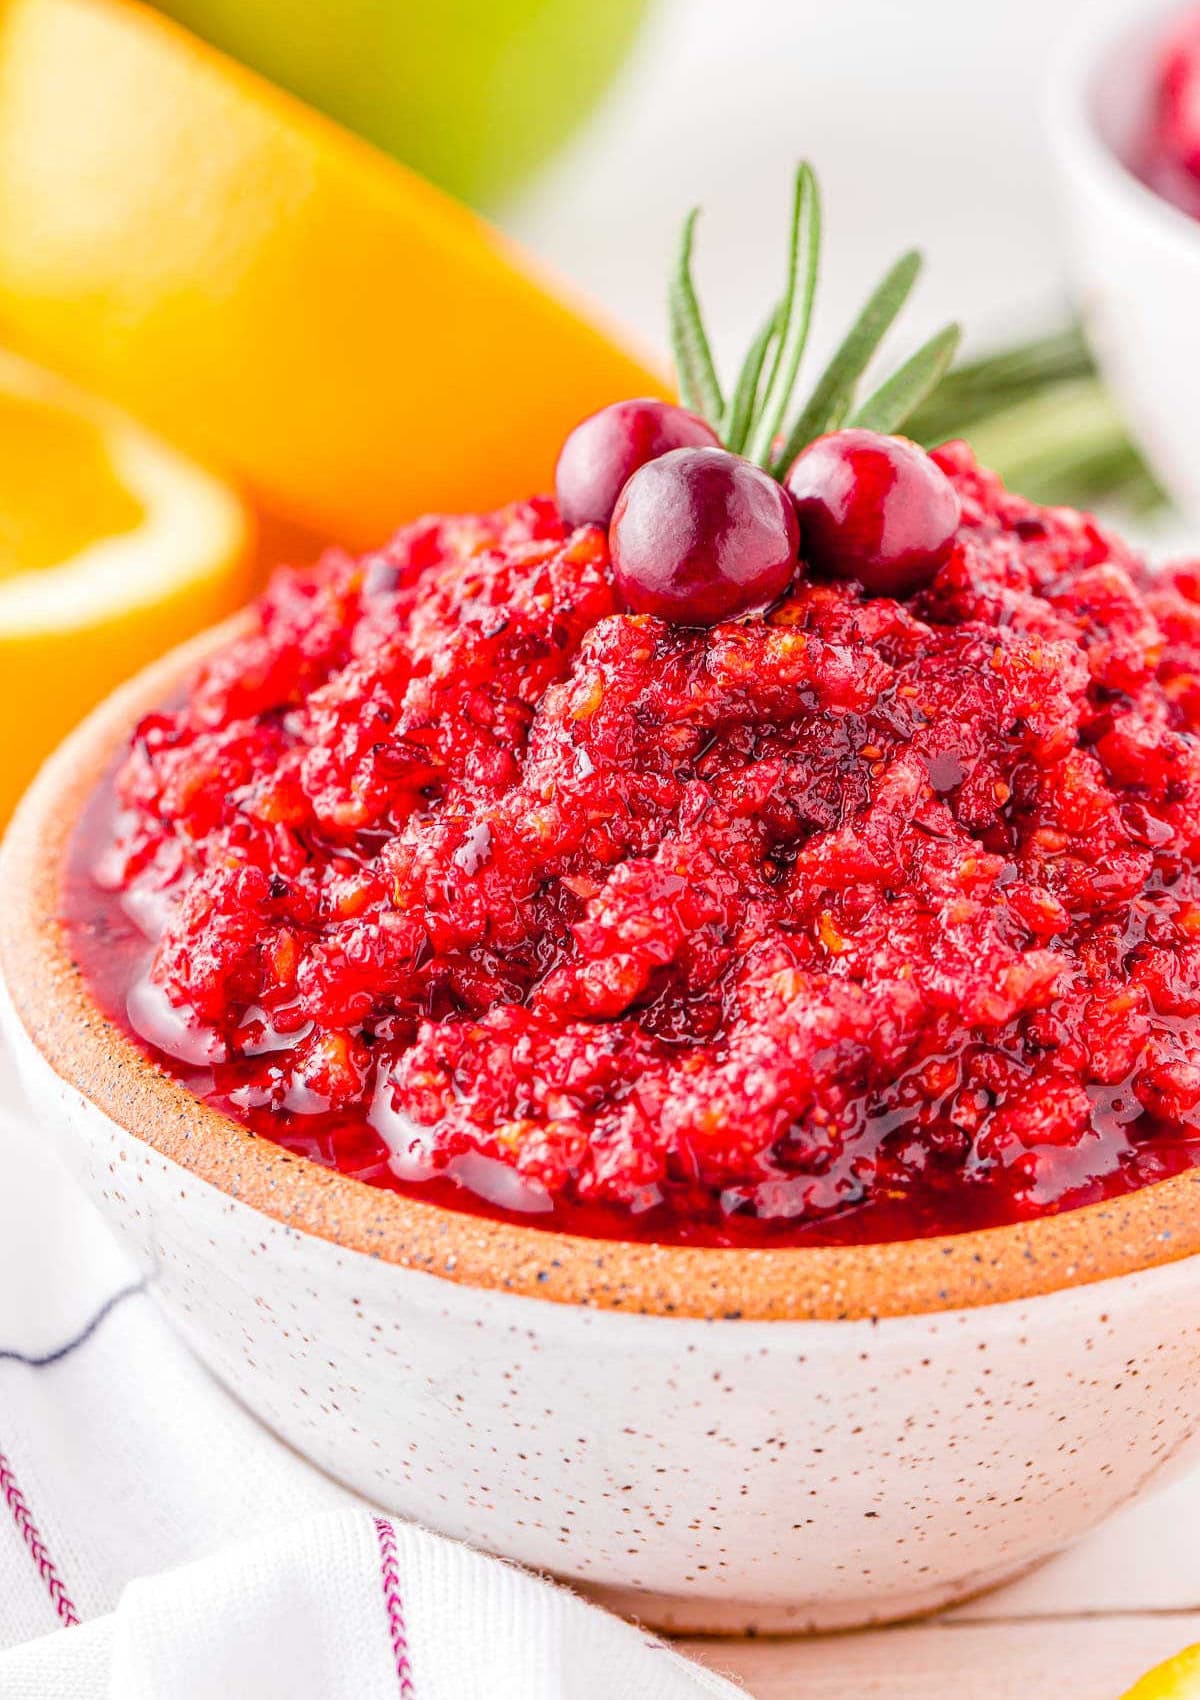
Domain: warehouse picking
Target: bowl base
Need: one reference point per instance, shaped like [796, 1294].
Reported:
[692, 1614]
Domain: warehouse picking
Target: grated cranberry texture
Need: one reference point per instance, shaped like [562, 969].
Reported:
[862, 920]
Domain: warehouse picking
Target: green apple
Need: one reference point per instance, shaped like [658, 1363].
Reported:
[473, 94]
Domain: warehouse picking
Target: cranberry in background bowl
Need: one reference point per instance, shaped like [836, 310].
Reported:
[1135, 252]
[1167, 156]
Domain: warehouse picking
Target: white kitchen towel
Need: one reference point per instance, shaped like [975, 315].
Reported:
[157, 1543]
[346, 1604]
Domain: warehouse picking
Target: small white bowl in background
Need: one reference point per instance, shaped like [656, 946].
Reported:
[1136, 256]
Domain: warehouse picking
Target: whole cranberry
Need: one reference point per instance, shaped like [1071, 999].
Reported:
[700, 535]
[875, 509]
[604, 451]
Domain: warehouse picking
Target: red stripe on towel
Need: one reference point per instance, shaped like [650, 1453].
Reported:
[38, 1551]
[389, 1571]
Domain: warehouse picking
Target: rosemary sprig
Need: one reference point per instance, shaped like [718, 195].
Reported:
[1036, 412]
[976, 388]
[804, 254]
[698, 382]
[739, 413]
[830, 399]
[906, 389]
[754, 420]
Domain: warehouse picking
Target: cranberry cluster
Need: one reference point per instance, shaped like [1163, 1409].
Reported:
[698, 534]
[711, 508]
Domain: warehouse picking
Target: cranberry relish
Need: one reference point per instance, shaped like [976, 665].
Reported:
[864, 920]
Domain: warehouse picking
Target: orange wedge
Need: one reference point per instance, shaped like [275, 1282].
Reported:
[268, 291]
[112, 548]
[1177, 1679]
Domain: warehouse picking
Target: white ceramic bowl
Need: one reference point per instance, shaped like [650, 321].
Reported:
[707, 1476]
[1136, 257]
[712, 1440]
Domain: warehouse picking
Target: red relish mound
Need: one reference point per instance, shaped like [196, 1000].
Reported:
[862, 918]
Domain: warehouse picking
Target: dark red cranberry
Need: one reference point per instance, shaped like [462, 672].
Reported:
[700, 535]
[605, 450]
[875, 509]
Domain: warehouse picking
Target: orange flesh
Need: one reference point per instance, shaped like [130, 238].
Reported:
[44, 448]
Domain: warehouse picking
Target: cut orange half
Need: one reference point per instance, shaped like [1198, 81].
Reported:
[113, 547]
[271, 293]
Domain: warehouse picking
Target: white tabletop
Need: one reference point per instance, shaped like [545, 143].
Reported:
[1086, 1624]
[922, 118]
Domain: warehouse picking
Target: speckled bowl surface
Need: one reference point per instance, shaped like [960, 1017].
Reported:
[711, 1439]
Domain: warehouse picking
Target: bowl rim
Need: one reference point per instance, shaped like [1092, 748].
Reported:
[1083, 49]
[59, 1017]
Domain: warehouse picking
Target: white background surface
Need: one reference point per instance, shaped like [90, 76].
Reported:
[922, 118]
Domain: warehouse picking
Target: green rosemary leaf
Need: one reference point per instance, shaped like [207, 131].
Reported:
[740, 410]
[1056, 356]
[698, 383]
[1038, 415]
[1067, 443]
[977, 389]
[803, 258]
[839, 413]
[895, 399]
[833, 395]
